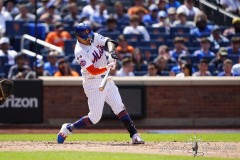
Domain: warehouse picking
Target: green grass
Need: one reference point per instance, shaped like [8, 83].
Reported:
[180, 137]
[92, 156]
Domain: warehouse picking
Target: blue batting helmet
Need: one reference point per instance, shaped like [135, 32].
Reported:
[83, 31]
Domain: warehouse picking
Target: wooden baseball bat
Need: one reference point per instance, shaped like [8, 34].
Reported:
[104, 81]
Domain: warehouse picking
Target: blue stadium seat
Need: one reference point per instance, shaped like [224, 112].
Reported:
[14, 28]
[143, 67]
[41, 30]
[70, 58]
[6, 70]
[69, 46]
[209, 58]
[195, 44]
[160, 37]
[191, 50]
[179, 30]
[134, 37]
[165, 73]
[153, 44]
[140, 73]
[234, 58]
[224, 44]
[134, 43]
[111, 35]
[148, 50]
[212, 70]
[3, 63]
[233, 35]
[153, 30]
[16, 43]
[187, 37]
[149, 54]
[194, 59]
[76, 67]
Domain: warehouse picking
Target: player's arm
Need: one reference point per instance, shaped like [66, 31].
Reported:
[86, 63]
[111, 45]
[95, 71]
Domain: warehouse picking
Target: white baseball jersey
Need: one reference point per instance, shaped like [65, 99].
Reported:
[87, 55]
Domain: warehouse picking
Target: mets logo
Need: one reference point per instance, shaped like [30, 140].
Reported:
[82, 63]
[97, 54]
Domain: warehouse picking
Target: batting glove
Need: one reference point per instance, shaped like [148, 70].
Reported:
[113, 55]
[111, 65]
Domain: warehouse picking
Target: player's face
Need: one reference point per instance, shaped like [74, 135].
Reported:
[85, 42]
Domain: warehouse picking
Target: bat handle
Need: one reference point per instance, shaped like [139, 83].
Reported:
[104, 81]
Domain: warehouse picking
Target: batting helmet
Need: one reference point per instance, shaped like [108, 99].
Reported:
[83, 31]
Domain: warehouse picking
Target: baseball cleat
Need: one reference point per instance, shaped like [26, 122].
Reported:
[136, 139]
[63, 133]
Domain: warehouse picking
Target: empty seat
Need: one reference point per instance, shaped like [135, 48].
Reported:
[234, 58]
[14, 28]
[113, 36]
[153, 44]
[140, 73]
[42, 30]
[153, 30]
[224, 44]
[179, 30]
[161, 37]
[69, 46]
[134, 37]
[76, 67]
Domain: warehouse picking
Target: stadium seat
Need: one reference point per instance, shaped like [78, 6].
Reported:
[111, 35]
[153, 44]
[148, 51]
[194, 59]
[161, 37]
[70, 58]
[69, 46]
[134, 43]
[234, 58]
[14, 28]
[143, 67]
[212, 70]
[3, 63]
[149, 54]
[76, 67]
[153, 30]
[224, 44]
[179, 30]
[41, 30]
[165, 73]
[209, 58]
[134, 37]
[140, 73]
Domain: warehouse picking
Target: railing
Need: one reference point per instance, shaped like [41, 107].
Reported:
[216, 14]
[38, 41]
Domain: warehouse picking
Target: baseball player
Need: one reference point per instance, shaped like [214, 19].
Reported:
[90, 54]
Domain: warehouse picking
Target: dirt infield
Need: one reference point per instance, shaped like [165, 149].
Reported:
[213, 149]
[206, 149]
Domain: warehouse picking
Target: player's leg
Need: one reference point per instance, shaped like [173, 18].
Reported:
[96, 101]
[114, 99]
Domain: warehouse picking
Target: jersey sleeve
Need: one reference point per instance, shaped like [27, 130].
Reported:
[100, 40]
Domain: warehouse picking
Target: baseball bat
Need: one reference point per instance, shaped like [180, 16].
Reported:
[104, 81]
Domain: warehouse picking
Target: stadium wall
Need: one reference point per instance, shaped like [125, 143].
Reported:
[169, 101]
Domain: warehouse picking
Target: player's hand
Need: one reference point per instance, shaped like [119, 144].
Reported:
[111, 65]
[114, 55]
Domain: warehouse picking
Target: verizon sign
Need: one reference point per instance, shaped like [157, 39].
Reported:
[18, 102]
[25, 105]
